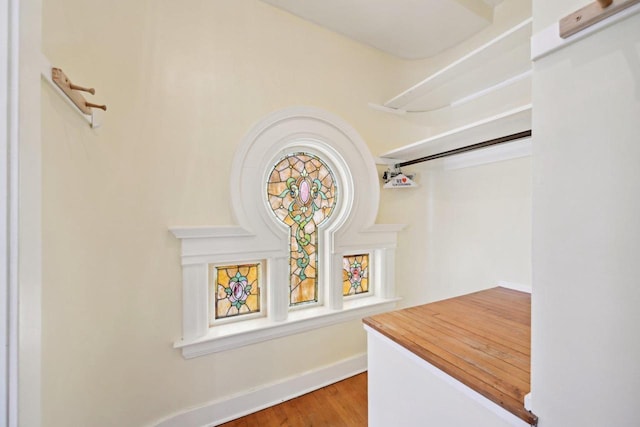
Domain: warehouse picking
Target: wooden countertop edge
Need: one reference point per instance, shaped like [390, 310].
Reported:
[493, 392]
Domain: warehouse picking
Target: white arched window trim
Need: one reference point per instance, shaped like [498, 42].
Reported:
[259, 237]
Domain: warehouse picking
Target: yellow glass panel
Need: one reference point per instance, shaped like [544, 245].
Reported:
[355, 274]
[234, 289]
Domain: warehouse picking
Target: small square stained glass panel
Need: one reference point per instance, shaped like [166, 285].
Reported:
[234, 290]
[355, 274]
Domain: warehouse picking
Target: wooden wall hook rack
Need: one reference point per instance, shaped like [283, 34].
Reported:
[591, 14]
[73, 92]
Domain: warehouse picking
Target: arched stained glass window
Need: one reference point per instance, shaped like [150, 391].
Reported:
[302, 192]
[306, 209]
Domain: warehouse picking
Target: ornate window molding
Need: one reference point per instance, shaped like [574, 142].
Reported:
[262, 238]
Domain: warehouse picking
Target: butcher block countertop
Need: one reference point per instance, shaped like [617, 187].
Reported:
[481, 339]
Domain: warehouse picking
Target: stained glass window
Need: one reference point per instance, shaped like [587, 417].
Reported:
[234, 289]
[302, 192]
[355, 274]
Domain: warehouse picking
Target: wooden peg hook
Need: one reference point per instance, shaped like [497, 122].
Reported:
[605, 3]
[73, 91]
[90, 105]
[91, 90]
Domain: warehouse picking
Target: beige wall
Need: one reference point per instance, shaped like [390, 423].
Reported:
[183, 82]
[585, 323]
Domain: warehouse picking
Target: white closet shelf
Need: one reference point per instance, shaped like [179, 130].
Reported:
[504, 59]
[507, 123]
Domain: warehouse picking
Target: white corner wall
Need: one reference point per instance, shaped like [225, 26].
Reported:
[586, 228]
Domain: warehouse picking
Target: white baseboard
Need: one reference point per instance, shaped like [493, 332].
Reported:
[223, 410]
[515, 286]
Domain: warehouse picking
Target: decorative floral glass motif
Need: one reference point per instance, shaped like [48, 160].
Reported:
[355, 274]
[302, 193]
[235, 289]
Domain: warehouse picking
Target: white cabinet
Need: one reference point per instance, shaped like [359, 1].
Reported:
[405, 390]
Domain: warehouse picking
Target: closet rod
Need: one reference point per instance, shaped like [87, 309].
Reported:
[472, 147]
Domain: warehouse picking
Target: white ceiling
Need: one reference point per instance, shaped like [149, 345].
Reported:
[409, 29]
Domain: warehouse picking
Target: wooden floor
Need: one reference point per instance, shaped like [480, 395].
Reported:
[482, 339]
[340, 404]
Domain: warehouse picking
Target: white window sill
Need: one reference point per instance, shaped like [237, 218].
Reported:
[238, 334]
